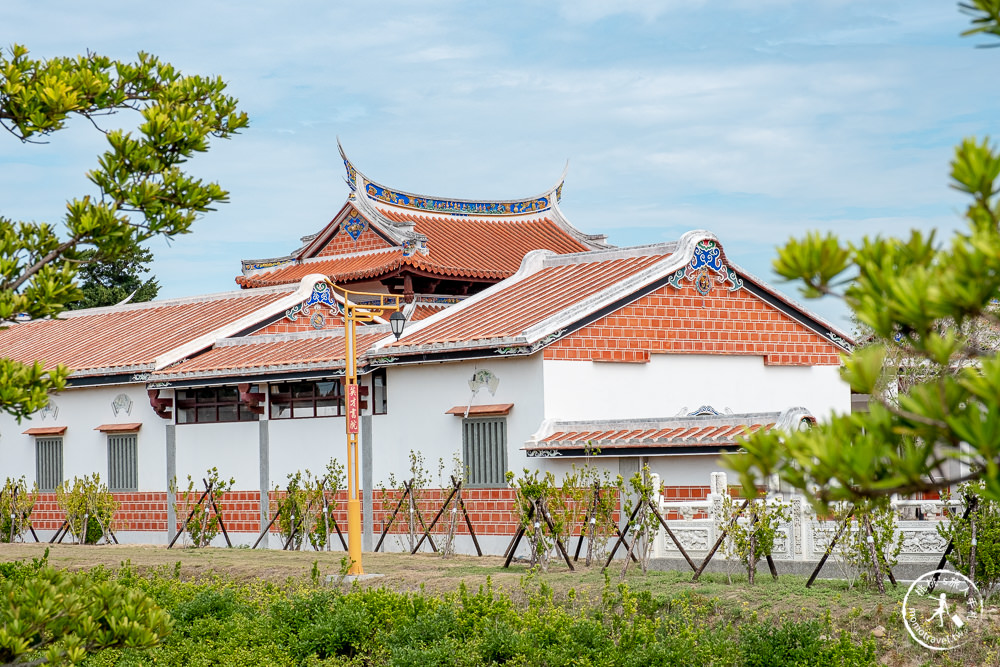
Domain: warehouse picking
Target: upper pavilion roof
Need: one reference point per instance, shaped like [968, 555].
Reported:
[381, 232]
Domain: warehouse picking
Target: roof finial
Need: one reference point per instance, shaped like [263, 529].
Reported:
[559, 184]
[352, 173]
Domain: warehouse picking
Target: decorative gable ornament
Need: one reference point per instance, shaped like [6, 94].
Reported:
[413, 246]
[355, 226]
[122, 403]
[321, 295]
[706, 269]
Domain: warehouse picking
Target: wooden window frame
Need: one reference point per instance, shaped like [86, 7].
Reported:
[300, 406]
[194, 405]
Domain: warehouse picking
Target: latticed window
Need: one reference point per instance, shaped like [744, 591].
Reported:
[48, 463]
[296, 400]
[206, 405]
[123, 464]
[484, 451]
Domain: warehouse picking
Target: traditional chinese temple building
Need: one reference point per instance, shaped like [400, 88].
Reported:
[529, 345]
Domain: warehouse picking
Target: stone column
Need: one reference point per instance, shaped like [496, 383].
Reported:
[171, 442]
[264, 453]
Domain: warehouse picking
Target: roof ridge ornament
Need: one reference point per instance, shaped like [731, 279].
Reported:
[451, 206]
[706, 259]
[321, 294]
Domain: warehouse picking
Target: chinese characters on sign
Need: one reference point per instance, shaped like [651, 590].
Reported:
[353, 404]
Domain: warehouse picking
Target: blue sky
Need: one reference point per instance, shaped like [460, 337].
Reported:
[756, 119]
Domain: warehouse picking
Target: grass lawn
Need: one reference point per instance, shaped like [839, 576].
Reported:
[857, 611]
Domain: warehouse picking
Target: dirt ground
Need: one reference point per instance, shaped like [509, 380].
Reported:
[401, 571]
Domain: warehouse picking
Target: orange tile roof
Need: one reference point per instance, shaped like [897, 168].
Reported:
[493, 248]
[699, 431]
[676, 437]
[425, 310]
[127, 338]
[511, 308]
[346, 268]
[457, 247]
[280, 353]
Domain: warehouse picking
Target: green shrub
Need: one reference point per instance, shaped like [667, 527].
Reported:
[959, 530]
[794, 643]
[224, 622]
[16, 504]
[209, 603]
[19, 570]
[90, 508]
[342, 631]
[791, 643]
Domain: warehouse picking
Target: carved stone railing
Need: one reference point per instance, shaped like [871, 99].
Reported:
[803, 537]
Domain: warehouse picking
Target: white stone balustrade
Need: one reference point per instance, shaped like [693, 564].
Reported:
[803, 537]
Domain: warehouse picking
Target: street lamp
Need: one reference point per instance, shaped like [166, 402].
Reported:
[396, 322]
[377, 306]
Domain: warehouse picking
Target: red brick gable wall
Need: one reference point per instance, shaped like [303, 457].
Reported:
[343, 244]
[682, 322]
[302, 323]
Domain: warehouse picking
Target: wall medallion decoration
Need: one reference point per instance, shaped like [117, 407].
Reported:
[122, 403]
[50, 410]
[484, 378]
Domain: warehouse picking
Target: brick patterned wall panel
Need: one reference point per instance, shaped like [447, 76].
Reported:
[342, 243]
[683, 322]
[301, 323]
[490, 510]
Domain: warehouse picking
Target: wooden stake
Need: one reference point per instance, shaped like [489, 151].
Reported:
[718, 542]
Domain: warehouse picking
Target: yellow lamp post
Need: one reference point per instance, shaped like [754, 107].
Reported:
[376, 305]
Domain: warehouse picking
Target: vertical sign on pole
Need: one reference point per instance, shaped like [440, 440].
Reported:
[353, 403]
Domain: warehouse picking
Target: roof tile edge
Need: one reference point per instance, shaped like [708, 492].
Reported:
[208, 339]
[177, 301]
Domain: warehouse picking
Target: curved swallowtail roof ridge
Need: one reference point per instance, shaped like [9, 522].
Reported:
[399, 208]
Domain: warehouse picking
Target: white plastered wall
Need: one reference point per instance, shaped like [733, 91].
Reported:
[672, 384]
[85, 451]
[678, 384]
[297, 445]
[419, 396]
[232, 447]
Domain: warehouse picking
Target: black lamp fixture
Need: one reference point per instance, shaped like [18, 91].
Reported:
[396, 322]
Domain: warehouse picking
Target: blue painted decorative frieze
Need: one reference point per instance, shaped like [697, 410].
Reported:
[264, 264]
[454, 207]
[706, 269]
